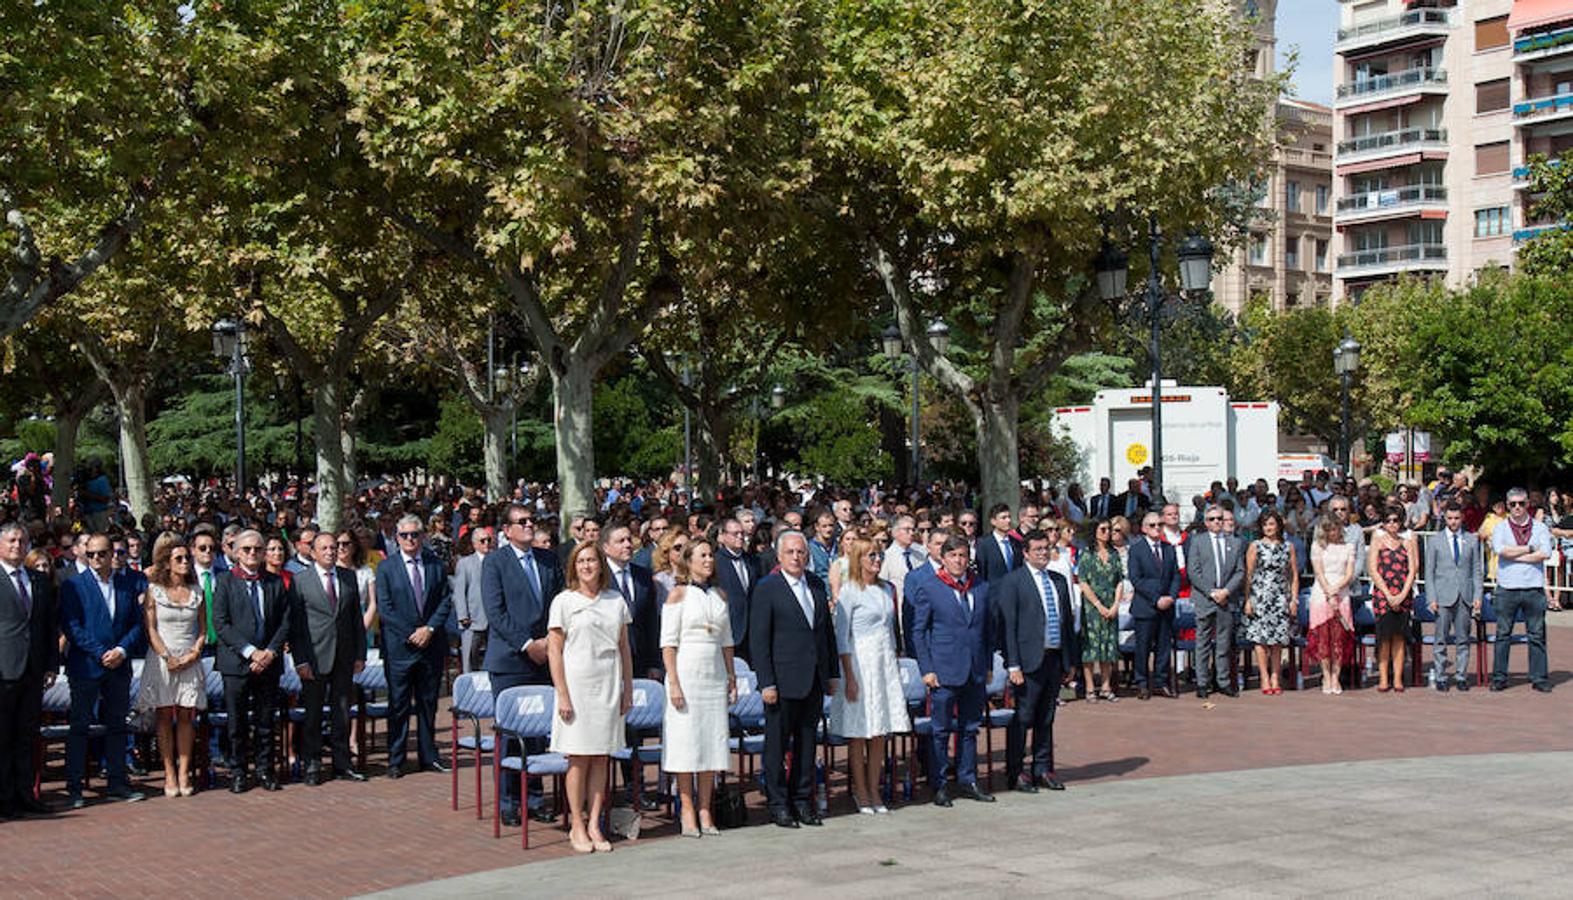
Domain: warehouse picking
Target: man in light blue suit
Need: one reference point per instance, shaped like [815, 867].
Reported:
[414, 598]
[103, 621]
[950, 633]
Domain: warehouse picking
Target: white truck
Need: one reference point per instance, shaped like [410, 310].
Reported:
[1207, 437]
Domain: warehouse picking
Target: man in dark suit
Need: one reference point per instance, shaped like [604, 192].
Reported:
[328, 639]
[998, 554]
[1215, 562]
[103, 622]
[794, 650]
[414, 598]
[1102, 504]
[251, 614]
[736, 574]
[1034, 604]
[29, 660]
[950, 632]
[518, 583]
[1132, 503]
[637, 587]
[1154, 572]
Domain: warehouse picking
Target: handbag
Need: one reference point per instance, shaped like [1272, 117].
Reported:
[727, 807]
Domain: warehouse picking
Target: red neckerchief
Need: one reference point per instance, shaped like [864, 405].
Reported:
[240, 573]
[953, 583]
[1522, 534]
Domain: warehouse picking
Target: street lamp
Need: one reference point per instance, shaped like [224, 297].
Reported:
[1195, 255]
[230, 343]
[777, 397]
[890, 341]
[509, 381]
[1346, 361]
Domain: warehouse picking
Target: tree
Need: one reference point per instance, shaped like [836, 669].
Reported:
[1551, 187]
[62, 377]
[1288, 356]
[541, 145]
[978, 154]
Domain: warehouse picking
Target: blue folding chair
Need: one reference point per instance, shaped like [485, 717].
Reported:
[472, 702]
[1184, 620]
[647, 714]
[1423, 616]
[916, 694]
[1365, 627]
[1300, 639]
[1000, 716]
[56, 705]
[372, 682]
[1487, 637]
[523, 713]
[747, 719]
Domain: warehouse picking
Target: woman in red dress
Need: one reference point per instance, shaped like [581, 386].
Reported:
[1392, 562]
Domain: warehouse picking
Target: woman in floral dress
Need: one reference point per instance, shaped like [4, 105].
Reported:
[1272, 577]
[1102, 579]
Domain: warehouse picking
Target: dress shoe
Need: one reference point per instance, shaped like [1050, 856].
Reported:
[237, 785]
[510, 818]
[1230, 692]
[1049, 782]
[395, 772]
[543, 814]
[1167, 692]
[1024, 785]
[313, 778]
[809, 817]
[27, 806]
[349, 774]
[1498, 685]
[1144, 694]
[942, 798]
[75, 801]
[1463, 685]
[437, 765]
[649, 802]
[783, 819]
[125, 795]
[1442, 686]
[7, 813]
[1201, 693]
[1541, 687]
[973, 792]
[269, 783]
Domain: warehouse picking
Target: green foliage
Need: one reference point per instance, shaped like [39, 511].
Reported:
[455, 447]
[632, 431]
[195, 434]
[840, 441]
[1551, 253]
[1288, 356]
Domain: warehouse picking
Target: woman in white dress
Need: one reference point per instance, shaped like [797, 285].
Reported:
[173, 682]
[587, 649]
[696, 647]
[870, 704]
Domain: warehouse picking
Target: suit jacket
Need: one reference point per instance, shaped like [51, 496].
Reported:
[991, 562]
[321, 634]
[89, 629]
[1202, 569]
[790, 653]
[736, 593]
[467, 591]
[1101, 506]
[644, 635]
[28, 645]
[402, 612]
[235, 620]
[948, 640]
[515, 614]
[1117, 508]
[1020, 609]
[1150, 579]
[1447, 582]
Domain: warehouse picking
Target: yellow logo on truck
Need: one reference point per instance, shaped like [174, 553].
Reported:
[1136, 454]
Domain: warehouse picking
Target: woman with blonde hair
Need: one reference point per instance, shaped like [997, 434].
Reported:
[696, 648]
[173, 683]
[870, 705]
[1330, 640]
[666, 560]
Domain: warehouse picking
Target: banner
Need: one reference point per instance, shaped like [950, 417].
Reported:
[1395, 447]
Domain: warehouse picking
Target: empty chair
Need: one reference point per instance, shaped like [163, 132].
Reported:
[646, 714]
[472, 703]
[522, 713]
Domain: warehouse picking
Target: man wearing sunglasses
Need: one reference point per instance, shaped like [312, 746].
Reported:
[1522, 546]
[251, 615]
[1217, 570]
[1155, 576]
[467, 606]
[414, 598]
[29, 659]
[104, 624]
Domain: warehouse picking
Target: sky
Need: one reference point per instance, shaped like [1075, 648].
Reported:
[1310, 27]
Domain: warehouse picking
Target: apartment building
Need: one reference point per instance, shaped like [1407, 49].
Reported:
[1287, 255]
[1437, 107]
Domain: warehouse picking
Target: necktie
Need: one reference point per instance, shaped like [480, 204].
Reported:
[262, 619]
[964, 600]
[528, 562]
[907, 555]
[21, 591]
[1157, 554]
[109, 598]
[207, 598]
[418, 582]
[1455, 548]
[806, 601]
[1005, 552]
[625, 588]
[1218, 558]
[1051, 613]
[742, 571]
[333, 593]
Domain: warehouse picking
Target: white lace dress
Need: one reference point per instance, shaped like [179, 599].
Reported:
[178, 627]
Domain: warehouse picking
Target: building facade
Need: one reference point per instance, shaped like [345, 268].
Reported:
[1437, 107]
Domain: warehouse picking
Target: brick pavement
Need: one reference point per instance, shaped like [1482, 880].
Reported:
[345, 838]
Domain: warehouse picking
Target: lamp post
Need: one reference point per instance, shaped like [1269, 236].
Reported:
[509, 380]
[229, 342]
[1195, 255]
[1346, 361]
[890, 341]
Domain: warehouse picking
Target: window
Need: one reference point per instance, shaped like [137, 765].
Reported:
[1491, 159]
[1323, 198]
[1258, 249]
[1321, 255]
[1292, 252]
[1492, 96]
[1292, 196]
[1491, 222]
[1491, 33]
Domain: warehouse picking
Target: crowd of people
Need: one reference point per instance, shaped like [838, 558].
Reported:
[819, 592]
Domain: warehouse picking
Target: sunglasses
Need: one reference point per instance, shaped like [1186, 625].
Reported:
[1513, 503]
[345, 543]
[409, 535]
[202, 548]
[1215, 518]
[875, 554]
[250, 548]
[179, 557]
[95, 554]
[528, 523]
[483, 540]
[1393, 521]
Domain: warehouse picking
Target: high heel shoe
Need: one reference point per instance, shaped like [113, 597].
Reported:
[709, 830]
[601, 846]
[587, 847]
[171, 791]
[187, 790]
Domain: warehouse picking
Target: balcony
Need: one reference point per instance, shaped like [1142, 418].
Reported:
[1389, 260]
[1521, 175]
[1415, 23]
[1532, 47]
[1391, 143]
[1423, 79]
[1390, 204]
[1531, 232]
[1536, 110]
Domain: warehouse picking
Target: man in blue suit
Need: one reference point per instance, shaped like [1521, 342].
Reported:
[414, 598]
[934, 543]
[950, 632]
[1154, 572]
[103, 622]
[518, 583]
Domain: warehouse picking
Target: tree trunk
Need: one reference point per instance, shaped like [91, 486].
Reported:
[68, 425]
[131, 404]
[497, 418]
[893, 440]
[327, 411]
[713, 435]
[572, 412]
[997, 422]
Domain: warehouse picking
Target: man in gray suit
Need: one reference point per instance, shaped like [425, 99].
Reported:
[328, 640]
[467, 605]
[1217, 571]
[1455, 575]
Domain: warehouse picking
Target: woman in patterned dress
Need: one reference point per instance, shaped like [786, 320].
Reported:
[1272, 593]
[1392, 561]
[1330, 640]
[1102, 588]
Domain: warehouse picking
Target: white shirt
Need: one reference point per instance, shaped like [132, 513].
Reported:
[801, 593]
[107, 588]
[326, 577]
